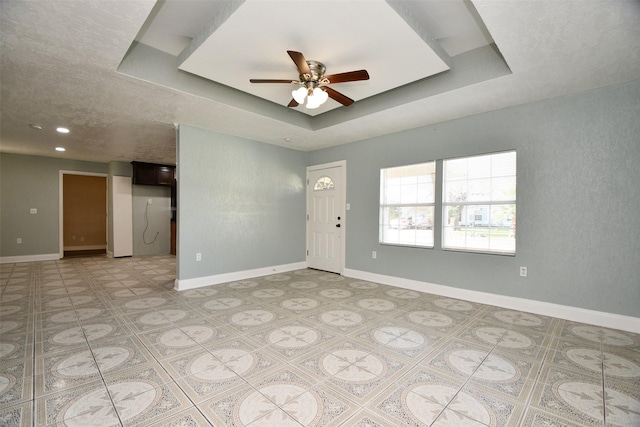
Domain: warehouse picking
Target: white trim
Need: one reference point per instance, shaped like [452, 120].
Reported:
[199, 282]
[343, 170]
[327, 165]
[29, 258]
[575, 314]
[61, 174]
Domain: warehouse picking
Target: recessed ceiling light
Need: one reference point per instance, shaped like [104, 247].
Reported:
[60, 149]
[62, 130]
[34, 126]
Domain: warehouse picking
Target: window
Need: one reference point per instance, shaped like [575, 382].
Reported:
[479, 203]
[323, 183]
[407, 196]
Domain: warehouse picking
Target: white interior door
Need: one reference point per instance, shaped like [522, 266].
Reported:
[122, 216]
[325, 217]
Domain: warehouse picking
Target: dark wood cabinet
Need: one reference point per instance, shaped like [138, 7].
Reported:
[153, 174]
[165, 175]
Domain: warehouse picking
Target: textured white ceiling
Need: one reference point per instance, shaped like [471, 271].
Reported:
[60, 61]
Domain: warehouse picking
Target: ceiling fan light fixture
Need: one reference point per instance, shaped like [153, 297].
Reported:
[299, 94]
[316, 98]
[321, 95]
[312, 104]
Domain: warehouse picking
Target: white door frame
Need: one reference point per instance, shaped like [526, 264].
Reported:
[343, 170]
[61, 174]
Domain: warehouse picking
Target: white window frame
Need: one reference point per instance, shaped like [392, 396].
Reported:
[410, 231]
[480, 218]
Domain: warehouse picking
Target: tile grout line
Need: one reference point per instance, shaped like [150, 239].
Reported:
[535, 383]
[95, 360]
[604, 390]
[469, 379]
[89, 346]
[93, 356]
[35, 286]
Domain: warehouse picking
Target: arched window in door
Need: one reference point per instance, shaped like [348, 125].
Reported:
[323, 183]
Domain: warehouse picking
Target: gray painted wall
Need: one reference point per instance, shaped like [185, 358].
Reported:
[33, 182]
[241, 204]
[158, 215]
[578, 200]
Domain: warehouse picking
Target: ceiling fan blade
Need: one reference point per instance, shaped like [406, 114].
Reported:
[342, 99]
[351, 76]
[301, 63]
[293, 103]
[272, 81]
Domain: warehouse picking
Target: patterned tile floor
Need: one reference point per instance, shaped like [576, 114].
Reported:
[103, 342]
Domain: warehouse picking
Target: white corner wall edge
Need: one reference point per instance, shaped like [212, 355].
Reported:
[199, 282]
[575, 314]
[29, 258]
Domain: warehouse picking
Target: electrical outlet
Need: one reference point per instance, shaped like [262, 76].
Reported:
[374, 255]
[523, 271]
[19, 240]
[149, 201]
[33, 211]
[198, 256]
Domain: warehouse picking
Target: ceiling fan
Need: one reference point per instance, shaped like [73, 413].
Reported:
[314, 84]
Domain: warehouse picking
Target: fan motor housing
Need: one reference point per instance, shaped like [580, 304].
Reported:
[317, 71]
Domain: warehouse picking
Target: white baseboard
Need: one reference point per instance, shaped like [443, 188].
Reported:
[575, 314]
[29, 258]
[199, 282]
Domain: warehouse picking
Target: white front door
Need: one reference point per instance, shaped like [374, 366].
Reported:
[325, 216]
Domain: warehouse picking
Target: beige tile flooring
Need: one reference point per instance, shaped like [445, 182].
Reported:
[103, 342]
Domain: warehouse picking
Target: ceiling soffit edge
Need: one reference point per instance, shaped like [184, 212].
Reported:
[414, 22]
[473, 67]
[152, 65]
[228, 8]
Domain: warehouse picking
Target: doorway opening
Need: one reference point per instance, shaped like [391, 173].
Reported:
[83, 214]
